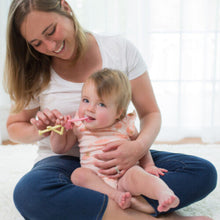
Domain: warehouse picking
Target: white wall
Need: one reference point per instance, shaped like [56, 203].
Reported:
[4, 99]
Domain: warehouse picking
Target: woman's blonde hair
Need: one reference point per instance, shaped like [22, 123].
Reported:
[109, 82]
[27, 72]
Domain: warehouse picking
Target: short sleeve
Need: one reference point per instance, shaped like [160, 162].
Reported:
[34, 103]
[136, 65]
[131, 129]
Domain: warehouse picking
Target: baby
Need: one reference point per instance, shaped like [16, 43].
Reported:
[105, 97]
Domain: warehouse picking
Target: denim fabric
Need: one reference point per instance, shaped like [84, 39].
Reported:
[46, 192]
[191, 178]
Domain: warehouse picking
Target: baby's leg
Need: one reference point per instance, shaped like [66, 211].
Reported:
[87, 178]
[137, 181]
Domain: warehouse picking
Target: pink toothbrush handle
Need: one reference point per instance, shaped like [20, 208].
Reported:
[77, 119]
[68, 125]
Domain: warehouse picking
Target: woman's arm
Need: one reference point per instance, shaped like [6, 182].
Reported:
[149, 114]
[20, 128]
[23, 127]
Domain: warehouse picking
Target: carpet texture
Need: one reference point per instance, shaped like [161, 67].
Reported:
[16, 160]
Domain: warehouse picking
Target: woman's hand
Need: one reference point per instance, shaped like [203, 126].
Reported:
[118, 157]
[63, 120]
[46, 118]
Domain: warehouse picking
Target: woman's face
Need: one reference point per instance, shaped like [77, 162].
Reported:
[50, 33]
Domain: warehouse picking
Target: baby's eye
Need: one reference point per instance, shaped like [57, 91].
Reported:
[85, 100]
[101, 104]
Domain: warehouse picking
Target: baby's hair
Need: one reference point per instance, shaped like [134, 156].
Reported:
[110, 82]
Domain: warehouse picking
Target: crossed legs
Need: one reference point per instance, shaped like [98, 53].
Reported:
[134, 182]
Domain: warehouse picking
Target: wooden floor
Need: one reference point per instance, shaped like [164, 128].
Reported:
[191, 140]
[8, 142]
[183, 141]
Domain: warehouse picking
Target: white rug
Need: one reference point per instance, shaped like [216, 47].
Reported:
[16, 160]
[209, 206]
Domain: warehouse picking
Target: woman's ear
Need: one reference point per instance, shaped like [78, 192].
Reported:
[65, 6]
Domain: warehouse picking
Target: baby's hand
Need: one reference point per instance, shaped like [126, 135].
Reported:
[156, 171]
[66, 123]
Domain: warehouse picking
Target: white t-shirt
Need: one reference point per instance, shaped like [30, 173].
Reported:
[116, 53]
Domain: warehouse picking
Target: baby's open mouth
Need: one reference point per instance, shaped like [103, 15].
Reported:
[90, 118]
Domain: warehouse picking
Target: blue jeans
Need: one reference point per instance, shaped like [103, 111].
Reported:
[191, 178]
[46, 192]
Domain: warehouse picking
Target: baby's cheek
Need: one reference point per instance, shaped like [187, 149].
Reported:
[81, 112]
[103, 118]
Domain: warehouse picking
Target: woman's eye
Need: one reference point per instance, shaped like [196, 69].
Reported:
[37, 45]
[52, 32]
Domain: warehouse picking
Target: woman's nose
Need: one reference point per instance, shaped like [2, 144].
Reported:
[50, 45]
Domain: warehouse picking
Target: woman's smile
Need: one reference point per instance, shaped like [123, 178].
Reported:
[61, 48]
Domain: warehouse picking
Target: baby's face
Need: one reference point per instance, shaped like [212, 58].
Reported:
[101, 113]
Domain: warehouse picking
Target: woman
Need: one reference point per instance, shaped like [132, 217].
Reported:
[48, 58]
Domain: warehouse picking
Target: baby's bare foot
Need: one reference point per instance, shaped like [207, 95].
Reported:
[123, 199]
[167, 202]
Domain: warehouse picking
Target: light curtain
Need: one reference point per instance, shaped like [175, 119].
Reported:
[4, 6]
[180, 42]
[4, 99]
